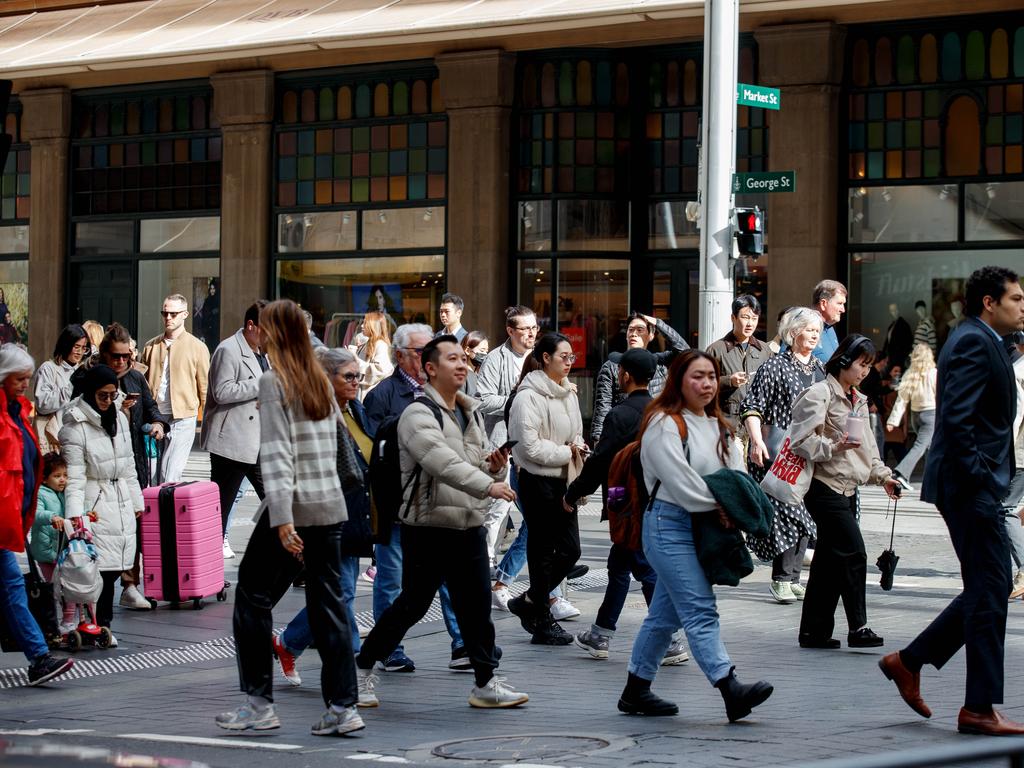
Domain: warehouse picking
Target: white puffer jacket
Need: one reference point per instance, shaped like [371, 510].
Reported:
[101, 477]
[544, 418]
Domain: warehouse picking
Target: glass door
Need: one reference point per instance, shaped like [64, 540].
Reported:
[676, 282]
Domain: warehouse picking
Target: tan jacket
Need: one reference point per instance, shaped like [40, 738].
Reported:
[820, 417]
[189, 368]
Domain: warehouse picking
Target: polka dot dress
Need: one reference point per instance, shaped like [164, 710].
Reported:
[772, 392]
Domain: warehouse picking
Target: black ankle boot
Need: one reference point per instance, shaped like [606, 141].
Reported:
[637, 699]
[740, 699]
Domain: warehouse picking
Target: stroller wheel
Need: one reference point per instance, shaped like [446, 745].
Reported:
[105, 638]
[74, 641]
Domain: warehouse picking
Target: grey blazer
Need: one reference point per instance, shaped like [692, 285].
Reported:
[231, 421]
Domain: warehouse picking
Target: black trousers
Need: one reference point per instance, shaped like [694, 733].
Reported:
[787, 565]
[840, 565]
[105, 603]
[228, 475]
[265, 574]
[432, 557]
[553, 541]
[977, 616]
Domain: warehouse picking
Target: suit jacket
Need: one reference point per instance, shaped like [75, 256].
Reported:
[389, 398]
[899, 341]
[231, 421]
[971, 456]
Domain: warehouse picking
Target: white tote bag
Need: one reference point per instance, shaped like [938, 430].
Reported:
[789, 476]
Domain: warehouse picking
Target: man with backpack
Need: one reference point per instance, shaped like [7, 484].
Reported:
[636, 368]
[448, 476]
[384, 405]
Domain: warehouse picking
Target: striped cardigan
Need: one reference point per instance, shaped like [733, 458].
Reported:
[297, 461]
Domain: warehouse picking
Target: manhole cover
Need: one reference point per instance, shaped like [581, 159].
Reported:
[544, 746]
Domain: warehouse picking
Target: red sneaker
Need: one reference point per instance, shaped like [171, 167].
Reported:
[287, 660]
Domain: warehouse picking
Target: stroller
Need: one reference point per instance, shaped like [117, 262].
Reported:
[77, 581]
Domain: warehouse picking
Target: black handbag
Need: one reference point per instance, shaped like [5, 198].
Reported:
[40, 604]
[772, 437]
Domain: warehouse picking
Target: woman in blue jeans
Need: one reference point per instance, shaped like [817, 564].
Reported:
[674, 465]
[23, 464]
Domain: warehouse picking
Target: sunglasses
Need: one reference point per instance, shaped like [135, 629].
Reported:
[106, 397]
[120, 355]
[172, 314]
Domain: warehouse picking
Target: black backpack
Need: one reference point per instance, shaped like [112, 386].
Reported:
[386, 487]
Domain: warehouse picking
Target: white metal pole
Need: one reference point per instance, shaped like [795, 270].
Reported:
[718, 140]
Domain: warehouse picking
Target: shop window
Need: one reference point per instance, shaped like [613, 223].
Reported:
[338, 292]
[180, 235]
[310, 232]
[16, 181]
[534, 225]
[104, 238]
[195, 279]
[14, 239]
[395, 228]
[13, 299]
[903, 214]
[143, 153]
[535, 278]
[593, 225]
[994, 211]
[672, 224]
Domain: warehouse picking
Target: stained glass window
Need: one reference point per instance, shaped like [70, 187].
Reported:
[353, 141]
[16, 181]
[924, 105]
[145, 152]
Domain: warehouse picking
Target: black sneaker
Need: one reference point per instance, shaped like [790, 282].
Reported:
[47, 667]
[810, 641]
[460, 660]
[577, 572]
[525, 612]
[864, 638]
[551, 634]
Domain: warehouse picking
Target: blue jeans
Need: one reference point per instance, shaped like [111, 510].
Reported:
[298, 635]
[387, 584]
[14, 603]
[682, 598]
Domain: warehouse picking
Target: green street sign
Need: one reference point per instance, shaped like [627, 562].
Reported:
[774, 181]
[758, 96]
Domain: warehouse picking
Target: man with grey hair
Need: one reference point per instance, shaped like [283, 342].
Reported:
[385, 402]
[178, 366]
[830, 301]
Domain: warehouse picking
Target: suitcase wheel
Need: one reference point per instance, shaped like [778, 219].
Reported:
[222, 596]
[152, 603]
[197, 604]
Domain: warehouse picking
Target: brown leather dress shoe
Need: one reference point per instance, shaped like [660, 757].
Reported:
[907, 683]
[989, 724]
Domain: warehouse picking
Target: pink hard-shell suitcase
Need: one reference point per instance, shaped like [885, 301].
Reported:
[182, 543]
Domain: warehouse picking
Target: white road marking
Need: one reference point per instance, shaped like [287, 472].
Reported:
[43, 731]
[208, 742]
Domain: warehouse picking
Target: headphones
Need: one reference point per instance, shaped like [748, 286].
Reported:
[855, 351]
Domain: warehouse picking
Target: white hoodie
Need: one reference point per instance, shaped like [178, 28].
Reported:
[544, 418]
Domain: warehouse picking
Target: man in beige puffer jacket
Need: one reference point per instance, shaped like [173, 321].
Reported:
[448, 476]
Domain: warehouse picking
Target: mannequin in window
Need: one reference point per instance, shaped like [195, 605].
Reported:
[898, 338]
[924, 333]
[956, 309]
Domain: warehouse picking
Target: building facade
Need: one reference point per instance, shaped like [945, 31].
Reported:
[374, 158]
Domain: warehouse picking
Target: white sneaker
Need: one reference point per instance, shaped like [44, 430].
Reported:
[562, 609]
[332, 723]
[782, 591]
[798, 590]
[248, 717]
[113, 641]
[133, 599]
[228, 551]
[507, 539]
[368, 680]
[500, 598]
[496, 694]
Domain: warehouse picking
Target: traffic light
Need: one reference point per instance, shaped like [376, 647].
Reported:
[750, 231]
[5, 139]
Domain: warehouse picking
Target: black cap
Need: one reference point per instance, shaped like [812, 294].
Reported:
[640, 364]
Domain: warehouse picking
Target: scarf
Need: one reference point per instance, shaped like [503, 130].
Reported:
[99, 376]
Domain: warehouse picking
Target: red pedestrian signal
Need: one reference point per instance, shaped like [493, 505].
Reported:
[750, 231]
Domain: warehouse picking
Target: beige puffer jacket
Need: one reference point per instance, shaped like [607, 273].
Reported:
[544, 419]
[454, 479]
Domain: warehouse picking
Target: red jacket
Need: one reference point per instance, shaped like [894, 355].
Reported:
[13, 527]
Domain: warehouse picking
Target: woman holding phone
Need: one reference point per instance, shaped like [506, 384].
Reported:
[829, 427]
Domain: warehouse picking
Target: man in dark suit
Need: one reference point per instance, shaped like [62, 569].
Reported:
[968, 471]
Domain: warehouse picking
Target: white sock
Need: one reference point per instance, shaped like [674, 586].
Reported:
[260, 702]
[339, 709]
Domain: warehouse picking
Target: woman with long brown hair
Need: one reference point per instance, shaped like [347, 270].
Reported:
[374, 354]
[299, 526]
[683, 437]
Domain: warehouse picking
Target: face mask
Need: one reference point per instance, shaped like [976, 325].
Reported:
[480, 357]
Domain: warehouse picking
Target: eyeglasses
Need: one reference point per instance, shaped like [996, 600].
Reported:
[172, 314]
[106, 397]
[350, 377]
[526, 328]
[569, 357]
[120, 355]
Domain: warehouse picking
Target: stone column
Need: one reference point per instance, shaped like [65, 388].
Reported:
[46, 125]
[806, 62]
[477, 89]
[244, 105]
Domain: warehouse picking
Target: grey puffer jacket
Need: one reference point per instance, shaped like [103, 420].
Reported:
[454, 476]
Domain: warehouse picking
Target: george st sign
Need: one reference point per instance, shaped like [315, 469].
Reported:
[758, 96]
[774, 181]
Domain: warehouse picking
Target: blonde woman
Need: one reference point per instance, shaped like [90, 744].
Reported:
[917, 389]
[374, 354]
